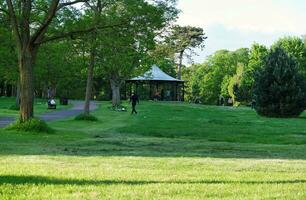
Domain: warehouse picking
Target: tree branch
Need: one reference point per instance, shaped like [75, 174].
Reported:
[60, 6]
[14, 23]
[24, 25]
[48, 18]
[98, 8]
[71, 34]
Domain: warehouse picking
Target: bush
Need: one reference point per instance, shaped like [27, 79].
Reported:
[85, 117]
[279, 89]
[32, 125]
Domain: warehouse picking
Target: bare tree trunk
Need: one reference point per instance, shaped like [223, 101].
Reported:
[89, 81]
[179, 70]
[91, 66]
[26, 58]
[116, 99]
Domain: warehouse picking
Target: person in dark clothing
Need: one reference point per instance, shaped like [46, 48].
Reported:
[134, 99]
[222, 101]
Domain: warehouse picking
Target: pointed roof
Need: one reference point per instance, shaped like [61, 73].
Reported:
[155, 74]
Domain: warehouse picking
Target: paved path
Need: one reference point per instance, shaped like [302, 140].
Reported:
[55, 115]
[4, 121]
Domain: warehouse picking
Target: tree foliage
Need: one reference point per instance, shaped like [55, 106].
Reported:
[185, 38]
[279, 88]
[295, 47]
[123, 49]
[211, 78]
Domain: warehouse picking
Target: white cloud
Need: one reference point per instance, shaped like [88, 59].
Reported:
[266, 16]
[232, 24]
[220, 37]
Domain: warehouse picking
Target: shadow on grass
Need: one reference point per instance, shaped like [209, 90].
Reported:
[22, 144]
[41, 180]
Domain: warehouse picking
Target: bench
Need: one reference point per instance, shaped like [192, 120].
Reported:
[50, 105]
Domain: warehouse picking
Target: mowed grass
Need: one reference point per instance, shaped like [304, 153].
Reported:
[167, 151]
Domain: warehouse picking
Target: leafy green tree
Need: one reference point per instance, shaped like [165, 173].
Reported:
[34, 23]
[60, 67]
[29, 22]
[163, 56]
[123, 49]
[119, 59]
[224, 86]
[295, 47]
[279, 88]
[257, 56]
[8, 58]
[193, 75]
[95, 13]
[234, 89]
[119, 49]
[212, 77]
[183, 39]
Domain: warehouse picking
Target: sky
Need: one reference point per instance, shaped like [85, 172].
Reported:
[233, 24]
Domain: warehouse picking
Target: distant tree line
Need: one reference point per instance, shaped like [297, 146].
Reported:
[231, 74]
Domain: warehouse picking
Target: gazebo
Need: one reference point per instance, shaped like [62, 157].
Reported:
[156, 85]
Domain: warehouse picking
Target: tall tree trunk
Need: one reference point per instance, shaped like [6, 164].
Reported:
[179, 75]
[26, 58]
[18, 94]
[179, 70]
[116, 99]
[90, 80]
[91, 66]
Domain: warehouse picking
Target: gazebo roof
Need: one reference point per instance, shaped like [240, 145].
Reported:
[155, 74]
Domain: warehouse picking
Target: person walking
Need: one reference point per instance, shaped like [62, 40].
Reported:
[222, 101]
[134, 100]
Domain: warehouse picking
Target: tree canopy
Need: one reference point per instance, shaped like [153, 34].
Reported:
[279, 89]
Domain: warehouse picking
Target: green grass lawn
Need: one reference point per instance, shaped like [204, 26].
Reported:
[40, 106]
[167, 151]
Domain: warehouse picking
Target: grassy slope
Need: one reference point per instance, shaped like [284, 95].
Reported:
[168, 151]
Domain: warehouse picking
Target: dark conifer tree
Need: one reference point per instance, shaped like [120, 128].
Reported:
[279, 88]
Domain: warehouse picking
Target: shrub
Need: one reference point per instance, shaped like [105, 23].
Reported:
[85, 117]
[279, 89]
[32, 125]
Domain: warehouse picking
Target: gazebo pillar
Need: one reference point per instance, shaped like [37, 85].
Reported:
[176, 92]
[183, 92]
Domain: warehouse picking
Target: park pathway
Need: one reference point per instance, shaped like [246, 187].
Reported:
[55, 115]
[4, 121]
